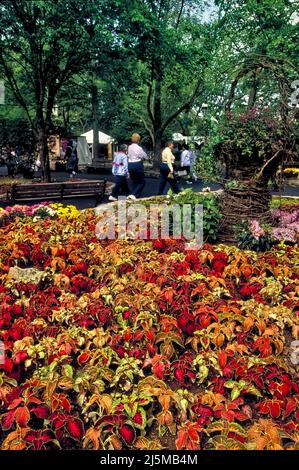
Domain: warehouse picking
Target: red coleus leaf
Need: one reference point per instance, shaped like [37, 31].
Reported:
[159, 370]
[75, 428]
[291, 407]
[21, 356]
[179, 375]
[41, 412]
[7, 366]
[222, 359]
[137, 419]
[44, 436]
[15, 403]
[236, 437]
[272, 407]
[182, 440]
[127, 433]
[22, 416]
[83, 358]
[8, 420]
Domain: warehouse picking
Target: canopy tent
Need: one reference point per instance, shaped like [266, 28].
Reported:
[103, 138]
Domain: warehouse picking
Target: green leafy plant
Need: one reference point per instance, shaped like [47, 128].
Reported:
[211, 211]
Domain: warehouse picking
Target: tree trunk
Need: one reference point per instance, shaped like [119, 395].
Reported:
[157, 149]
[95, 123]
[157, 124]
[44, 153]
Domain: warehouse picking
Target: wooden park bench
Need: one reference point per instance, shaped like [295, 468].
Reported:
[57, 191]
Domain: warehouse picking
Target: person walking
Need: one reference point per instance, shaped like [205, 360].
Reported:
[71, 157]
[120, 172]
[186, 162]
[136, 155]
[166, 169]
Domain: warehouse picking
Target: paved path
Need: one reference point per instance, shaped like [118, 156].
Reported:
[151, 187]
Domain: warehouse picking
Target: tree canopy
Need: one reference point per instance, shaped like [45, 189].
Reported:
[141, 65]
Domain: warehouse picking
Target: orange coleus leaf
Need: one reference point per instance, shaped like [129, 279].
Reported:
[22, 416]
[92, 436]
[182, 440]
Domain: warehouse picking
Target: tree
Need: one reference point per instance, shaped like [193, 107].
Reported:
[42, 44]
[172, 49]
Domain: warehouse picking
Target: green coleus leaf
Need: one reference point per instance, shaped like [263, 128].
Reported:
[237, 429]
[254, 391]
[231, 384]
[68, 371]
[235, 393]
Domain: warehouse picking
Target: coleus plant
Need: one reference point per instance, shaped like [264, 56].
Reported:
[110, 344]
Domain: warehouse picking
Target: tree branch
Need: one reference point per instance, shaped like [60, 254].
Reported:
[148, 103]
[180, 14]
[146, 125]
[260, 173]
[185, 106]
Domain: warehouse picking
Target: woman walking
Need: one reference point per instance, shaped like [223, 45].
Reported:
[136, 155]
[166, 169]
[120, 172]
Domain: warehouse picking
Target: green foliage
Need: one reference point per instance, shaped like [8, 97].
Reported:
[211, 211]
[280, 202]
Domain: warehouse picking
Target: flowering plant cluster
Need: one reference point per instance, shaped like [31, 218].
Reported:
[37, 211]
[287, 218]
[143, 345]
[252, 235]
[256, 133]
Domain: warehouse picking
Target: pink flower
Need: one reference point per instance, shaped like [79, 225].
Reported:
[256, 230]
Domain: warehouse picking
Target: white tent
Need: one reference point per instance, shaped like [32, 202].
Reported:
[103, 138]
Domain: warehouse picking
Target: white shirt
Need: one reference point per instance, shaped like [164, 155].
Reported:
[136, 153]
[168, 158]
[186, 158]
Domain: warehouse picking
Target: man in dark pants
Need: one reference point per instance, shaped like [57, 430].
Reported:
[136, 155]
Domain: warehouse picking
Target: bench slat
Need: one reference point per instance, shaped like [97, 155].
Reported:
[48, 191]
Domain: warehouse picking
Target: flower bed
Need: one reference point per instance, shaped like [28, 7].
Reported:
[142, 345]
